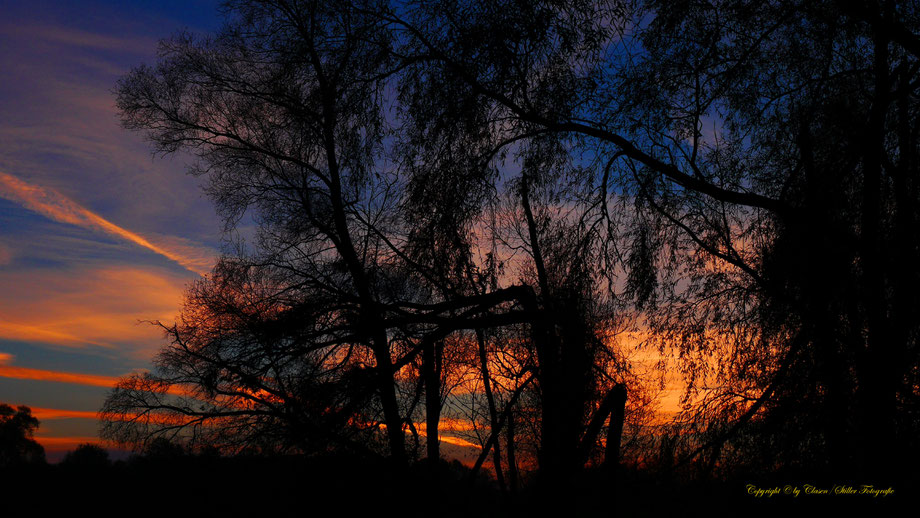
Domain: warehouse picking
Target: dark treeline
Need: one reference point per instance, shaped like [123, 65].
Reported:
[449, 217]
[168, 478]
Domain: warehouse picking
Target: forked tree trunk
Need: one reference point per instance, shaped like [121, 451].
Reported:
[493, 412]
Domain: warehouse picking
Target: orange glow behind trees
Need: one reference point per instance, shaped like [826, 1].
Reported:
[465, 219]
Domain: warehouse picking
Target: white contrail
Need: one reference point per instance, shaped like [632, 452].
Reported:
[58, 207]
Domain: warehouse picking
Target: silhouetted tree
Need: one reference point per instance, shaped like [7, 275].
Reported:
[545, 213]
[17, 446]
[284, 110]
[807, 288]
[301, 342]
[244, 371]
[508, 185]
[87, 457]
[767, 151]
[162, 449]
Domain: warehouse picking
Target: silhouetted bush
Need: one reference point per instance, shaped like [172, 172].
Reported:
[17, 446]
[90, 457]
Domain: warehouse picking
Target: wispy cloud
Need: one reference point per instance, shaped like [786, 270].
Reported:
[43, 414]
[456, 441]
[95, 380]
[447, 424]
[76, 308]
[68, 37]
[36, 333]
[58, 207]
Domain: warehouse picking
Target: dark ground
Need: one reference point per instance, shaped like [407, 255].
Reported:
[342, 486]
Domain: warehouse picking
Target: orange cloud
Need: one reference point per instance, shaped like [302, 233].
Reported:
[456, 441]
[101, 307]
[56, 206]
[10, 371]
[30, 333]
[43, 414]
[448, 424]
[46, 414]
[93, 380]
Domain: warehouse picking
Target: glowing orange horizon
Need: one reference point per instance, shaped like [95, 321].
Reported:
[59, 444]
[456, 441]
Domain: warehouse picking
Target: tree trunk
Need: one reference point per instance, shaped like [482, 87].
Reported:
[432, 406]
[876, 395]
[493, 412]
[386, 388]
[615, 426]
[512, 461]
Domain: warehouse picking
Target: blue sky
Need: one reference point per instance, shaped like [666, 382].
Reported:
[96, 234]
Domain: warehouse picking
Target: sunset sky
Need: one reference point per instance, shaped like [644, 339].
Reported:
[96, 234]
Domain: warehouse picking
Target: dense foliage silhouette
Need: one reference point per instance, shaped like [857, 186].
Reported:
[17, 445]
[466, 212]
